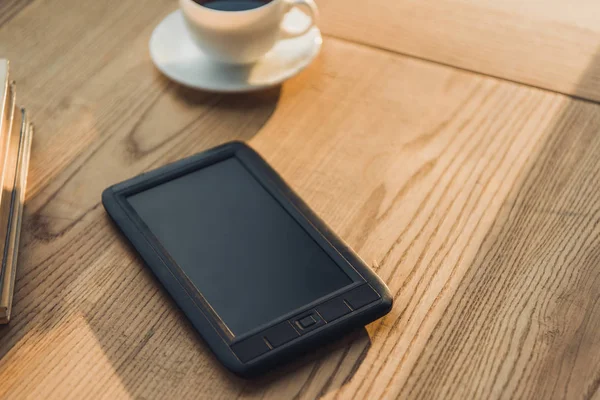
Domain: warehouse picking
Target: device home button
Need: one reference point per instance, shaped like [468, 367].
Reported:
[308, 322]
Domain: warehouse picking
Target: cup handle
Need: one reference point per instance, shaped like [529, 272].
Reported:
[310, 9]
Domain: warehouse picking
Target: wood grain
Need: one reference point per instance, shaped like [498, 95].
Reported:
[547, 44]
[472, 197]
[10, 8]
[524, 321]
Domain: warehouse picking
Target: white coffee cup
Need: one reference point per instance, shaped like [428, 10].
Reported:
[242, 37]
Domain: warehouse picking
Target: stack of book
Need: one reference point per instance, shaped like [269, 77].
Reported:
[15, 146]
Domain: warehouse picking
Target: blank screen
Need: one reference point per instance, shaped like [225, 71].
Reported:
[248, 257]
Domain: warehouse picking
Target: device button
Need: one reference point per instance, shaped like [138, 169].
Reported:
[361, 296]
[250, 348]
[280, 334]
[307, 321]
[333, 309]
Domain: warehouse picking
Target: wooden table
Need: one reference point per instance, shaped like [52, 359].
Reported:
[454, 144]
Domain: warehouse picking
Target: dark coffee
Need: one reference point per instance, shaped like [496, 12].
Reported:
[232, 5]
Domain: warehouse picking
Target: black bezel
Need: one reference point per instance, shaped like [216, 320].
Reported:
[203, 317]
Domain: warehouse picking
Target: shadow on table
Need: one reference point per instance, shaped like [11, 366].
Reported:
[261, 102]
[529, 300]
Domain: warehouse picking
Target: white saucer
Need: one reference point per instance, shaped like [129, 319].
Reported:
[175, 55]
